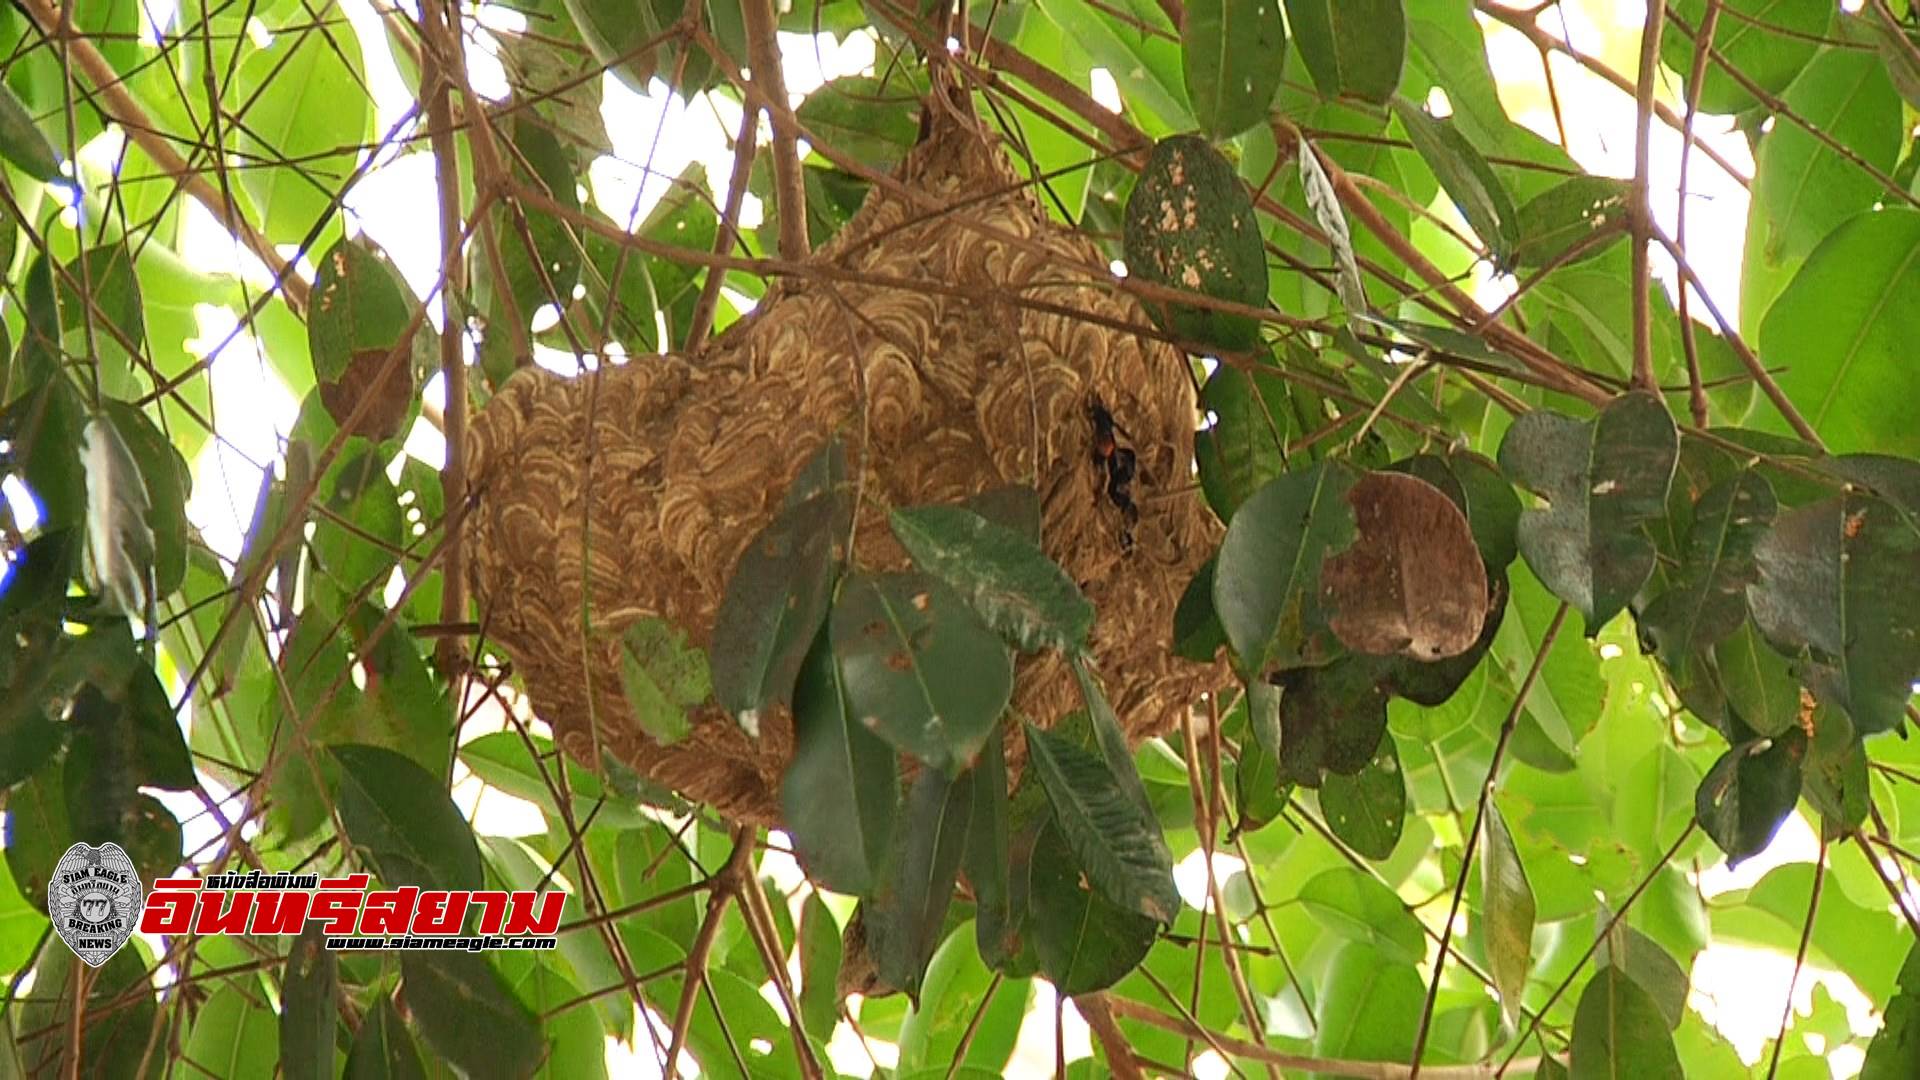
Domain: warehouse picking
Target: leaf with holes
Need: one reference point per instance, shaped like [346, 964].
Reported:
[918, 667]
[839, 792]
[1747, 794]
[360, 307]
[1571, 222]
[1353, 48]
[777, 597]
[1604, 479]
[1190, 225]
[1235, 51]
[1841, 578]
[1020, 592]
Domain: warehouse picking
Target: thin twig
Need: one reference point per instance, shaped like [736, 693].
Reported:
[1696, 393]
[1639, 204]
[439, 30]
[725, 884]
[728, 234]
[1800, 955]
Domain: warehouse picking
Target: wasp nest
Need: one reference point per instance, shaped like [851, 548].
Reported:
[955, 341]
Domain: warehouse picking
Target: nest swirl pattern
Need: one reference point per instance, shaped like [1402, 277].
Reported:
[643, 482]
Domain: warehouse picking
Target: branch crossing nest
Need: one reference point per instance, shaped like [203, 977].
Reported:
[954, 339]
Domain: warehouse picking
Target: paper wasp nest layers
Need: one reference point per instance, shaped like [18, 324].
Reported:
[912, 343]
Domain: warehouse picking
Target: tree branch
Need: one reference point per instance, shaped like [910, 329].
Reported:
[1639, 207]
[770, 85]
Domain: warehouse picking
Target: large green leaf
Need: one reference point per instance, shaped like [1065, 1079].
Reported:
[918, 667]
[360, 306]
[1604, 479]
[1253, 417]
[839, 792]
[233, 1035]
[309, 1007]
[1111, 836]
[1842, 578]
[1767, 41]
[1895, 1052]
[1234, 52]
[1085, 941]
[528, 767]
[1354, 905]
[401, 816]
[1618, 1032]
[1190, 225]
[1370, 1006]
[1353, 48]
[1266, 584]
[1802, 187]
[308, 113]
[1020, 592]
[468, 1015]
[1837, 329]
[663, 678]
[1582, 210]
[21, 141]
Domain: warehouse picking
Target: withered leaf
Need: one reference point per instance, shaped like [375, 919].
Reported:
[1413, 582]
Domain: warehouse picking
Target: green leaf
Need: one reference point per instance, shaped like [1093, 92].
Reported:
[1331, 718]
[663, 677]
[309, 114]
[1085, 941]
[1836, 779]
[1618, 1032]
[1466, 176]
[839, 792]
[168, 483]
[1370, 1006]
[399, 814]
[1259, 791]
[309, 1009]
[1265, 586]
[360, 305]
[1573, 212]
[918, 668]
[1708, 599]
[1368, 809]
[120, 1018]
[233, 1035]
[869, 119]
[544, 165]
[1234, 53]
[1650, 967]
[1604, 479]
[1507, 926]
[1190, 225]
[1022, 594]
[1767, 41]
[987, 861]
[819, 969]
[1895, 1052]
[504, 760]
[1355, 906]
[1254, 418]
[468, 1016]
[21, 141]
[1353, 48]
[1197, 633]
[1112, 838]
[776, 599]
[1749, 791]
[1802, 187]
[1853, 305]
[944, 1020]
[1842, 578]
[1758, 682]
[905, 915]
